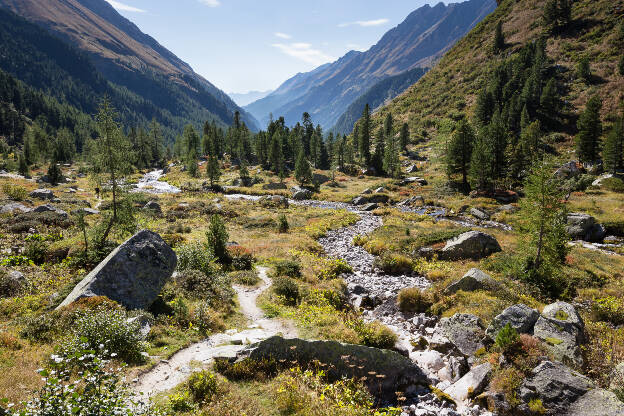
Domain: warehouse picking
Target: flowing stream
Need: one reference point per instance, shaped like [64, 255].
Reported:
[150, 183]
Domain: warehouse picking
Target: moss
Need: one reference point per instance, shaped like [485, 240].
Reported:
[444, 397]
[554, 341]
[561, 315]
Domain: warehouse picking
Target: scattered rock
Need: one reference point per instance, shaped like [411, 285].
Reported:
[598, 182]
[360, 200]
[568, 170]
[508, 208]
[521, 317]
[597, 402]
[366, 191]
[13, 284]
[562, 329]
[471, 245]
[12, 207]
[144, 322]
[584, 227]
[370, 207]
[132, 275]
[464, 331]
[379, 198]
[153, 206]
[479, 214]
[319, 179]
[42, 194]
[385, 371]
[556, 385]
[471, 384]
[50, 208]
[475, 279]
[411, 169]
[415, 200]
[86, 211]
[414, 179]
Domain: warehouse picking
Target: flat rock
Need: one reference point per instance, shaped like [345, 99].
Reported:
[50, 208]
[464, 331]
[471, 245]
[470, 385]
[520, 317]
[86, 211]
[370, 207]
[414, 179]
[597, 402]
[132, 275]
[556, 385]
[11, 207]
[385, 372]
[42, 194]
[473, 280]
[479, 214]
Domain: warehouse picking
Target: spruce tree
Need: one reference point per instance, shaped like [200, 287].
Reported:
[217, 239]
[191, 163]
[243, 173]
[549, 101]
[498, 44]
[482, 161]
[23, 166]
[276, 155]
[583, 69]
[613, 150]
[303, 172]
[324, 162]
[590, 130]
[378, 154]
[405, 135]
[621, 65]
[213, 170]
[391, 161]
[365, 137]
[459, 151]
[484, 108]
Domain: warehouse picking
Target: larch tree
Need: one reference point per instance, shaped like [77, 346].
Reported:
[590, 130]
[459, 151]
[405, 136]
[498, 43]
[365, 137]
[303, 172]
[613, 149]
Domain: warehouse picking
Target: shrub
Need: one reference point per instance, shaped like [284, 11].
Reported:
[247, 369]
[9, 287]
[374, 334]
[613, 185]
[107, 328]
[36, 251]
[202, 386]
[42, 328]
[9, 342]
[206, 319]
[609, 309]
[334, 269]
[287, 288]
[196, 256]
[14, 192]
[245, 277]
[217, 239]
[216, 289]
[413, 300]
[282, 224]
[290, 268]
[241, 258]
[180, 402]
[13, 261]
[507, 337]
[394, 264]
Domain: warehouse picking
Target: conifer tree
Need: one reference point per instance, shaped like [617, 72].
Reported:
[22, 165]
[621, 65]
[54, 172]
[405, 133]
[391, 161]
[378, 154]
[303, 172]
[590, 130]
[243, 173]
[613, 150]
[549, 101]
[276, 155]
[324, 162]
[498, 44]
[365, 137]
[191, 163]
[217, 239]
[484, 108]
[583, 69]
[482, 161]
[27, 151]
[459, 151]
[213, 170]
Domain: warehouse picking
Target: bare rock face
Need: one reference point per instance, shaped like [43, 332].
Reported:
[520, 317]
[471, 384]
[597, 402]
[132, 275]
[470, 245]
[385, 372]
[562, 330]
[475, 279]
[584, 227]
[464, 331]
[42, 194]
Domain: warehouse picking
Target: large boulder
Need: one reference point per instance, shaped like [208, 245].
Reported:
[132, 275]
[464, 331]
[562, 330]
[471, 245]
[300, 194]
[50, 208]
[520, 317]
[360, 200]
[42, 194]
[414, 179]
[470, 385]
[384, 372]
[556, 385]
[11, 207]
[12, 283]
[153, 206]
[584, 227]
[479, 214]
[379, 198]
[597, 402]
[568, 170]
[473, 280]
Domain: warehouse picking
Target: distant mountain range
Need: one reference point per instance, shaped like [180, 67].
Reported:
[328, 91]
[249, 97]
[130, 60]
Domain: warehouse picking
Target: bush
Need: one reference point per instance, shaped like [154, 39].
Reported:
[413, 300]
[36, 251]
[609, 309]
[196, 256]
[14, 192]
[202, 386]
[216, 289]
[42, 328]
[374, 334]
[507, 337]
[217, 239]
[282, 224]
[334, 269]
[206, 319]
[247, 369]
[107, 328]
[9, 287]
[290, 268]
[241, 258]
[180, 402]
[286, 288]
[245, 277]
[613, 185]
[395, 264]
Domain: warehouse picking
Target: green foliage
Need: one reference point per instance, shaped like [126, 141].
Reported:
[394, 263]
[36, 251]
[217, 239]
[557, 15]
[196, 256]
[583, 69]
[290, 268]
[16, 260]
[303, 172]
[506, 337]
[247, 369]
[590, 130]
[621, 65]
[214, 288]
[609, 309]
[499, 38]
[287, 288]
[364, 139]
[202, 386]
[181, 402]
[459, 151]
[413, 300]
[14, 192]
[374, 334]
[613, 184]
[613, 150]
[245, 277]
[282, 224]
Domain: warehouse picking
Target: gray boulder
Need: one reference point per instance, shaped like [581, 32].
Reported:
[415, 200]
[153, 206]
[11, 207]
[479, 214]
[470, 385]
[370, 207]
[414, 180]
[562, 330]
[50, 208]
[520, 317]
[86, 211]
[556, 385]
[380, 190]
[412, 169]
[132, 275]
[462, 330]
[473, 280]
[471, 245]
[367, 191]
[598, 181]
[385, 372]
[12, 283]
[379, 198]
[300, 194]
[360, 200]
[568, 170]
[42, 194]
[597, 402]
[584, 227]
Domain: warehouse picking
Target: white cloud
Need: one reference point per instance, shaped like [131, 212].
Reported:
[304, 52]
[355, 47]
[365, 23]
[124, 7]
[283, 35]
[211, 3]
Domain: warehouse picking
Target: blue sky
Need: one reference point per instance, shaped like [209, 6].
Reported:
[243, 45]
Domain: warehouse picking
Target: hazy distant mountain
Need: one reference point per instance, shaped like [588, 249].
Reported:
[244, 99]
[131, 59]
[327, 92]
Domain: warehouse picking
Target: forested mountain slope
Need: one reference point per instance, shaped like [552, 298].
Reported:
[131, 59]
[327, 91]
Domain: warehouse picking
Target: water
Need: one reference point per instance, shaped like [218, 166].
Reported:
[150, 183]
